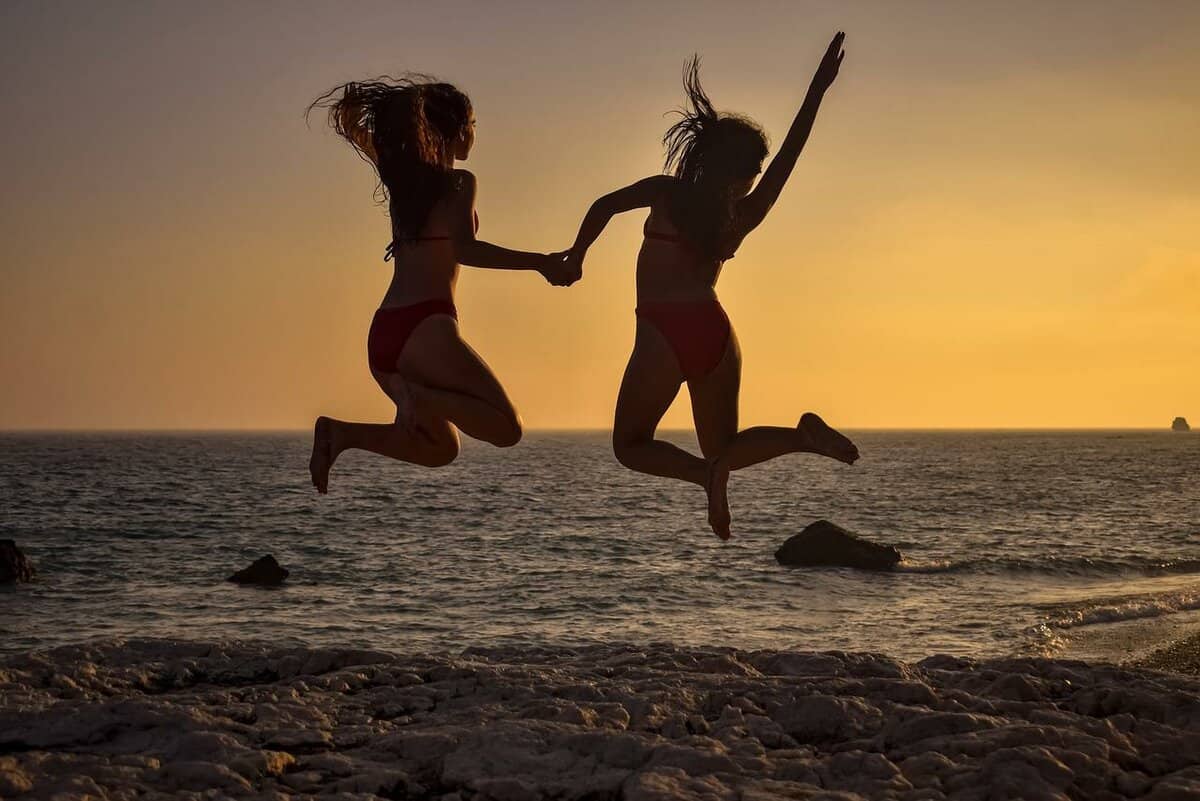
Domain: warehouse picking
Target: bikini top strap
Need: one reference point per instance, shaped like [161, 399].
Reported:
[390, 251]
[646, 232]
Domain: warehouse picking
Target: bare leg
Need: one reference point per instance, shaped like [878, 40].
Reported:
[811, 435]
[651, 383]
[428, 449]
[448, 380]
[322, 457]
[715, 412]
[652, 380]
[439, 380]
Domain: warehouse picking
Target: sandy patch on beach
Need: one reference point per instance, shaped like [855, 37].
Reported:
[151, 719]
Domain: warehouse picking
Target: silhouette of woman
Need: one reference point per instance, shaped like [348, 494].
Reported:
[698, 218]
[411, 130]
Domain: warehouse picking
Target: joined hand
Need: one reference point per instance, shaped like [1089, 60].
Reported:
[559, 268]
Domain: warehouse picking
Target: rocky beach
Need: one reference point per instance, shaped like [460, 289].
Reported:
[162, 718]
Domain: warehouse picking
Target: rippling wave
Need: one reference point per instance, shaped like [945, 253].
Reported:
[1081, 566]
[1012, 540]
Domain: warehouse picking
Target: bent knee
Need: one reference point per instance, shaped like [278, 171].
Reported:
[510, 435]
[443, 456]
[442, 452]
[625, 445]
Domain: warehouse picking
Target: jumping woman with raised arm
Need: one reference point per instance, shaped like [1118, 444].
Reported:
[698, 218]
[411, 130]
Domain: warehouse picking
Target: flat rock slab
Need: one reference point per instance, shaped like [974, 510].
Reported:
[264, 571]
[15, 567]
[825, 544]
[156, 718]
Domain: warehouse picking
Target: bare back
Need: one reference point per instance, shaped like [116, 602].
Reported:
[426, 268]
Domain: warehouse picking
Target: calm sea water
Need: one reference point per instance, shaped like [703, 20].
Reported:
[1013, 542]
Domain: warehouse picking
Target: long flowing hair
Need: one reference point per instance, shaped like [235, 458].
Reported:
[709, 153]
[406, 128]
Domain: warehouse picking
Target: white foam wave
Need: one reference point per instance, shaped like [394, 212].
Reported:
[1131, 609]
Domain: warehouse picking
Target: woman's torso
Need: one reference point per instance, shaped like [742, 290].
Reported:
[669, 267]
[425, 268]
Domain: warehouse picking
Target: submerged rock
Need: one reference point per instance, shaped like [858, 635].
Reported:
[15, 566]
[823, 543]
[1180, 424]
[265, 572]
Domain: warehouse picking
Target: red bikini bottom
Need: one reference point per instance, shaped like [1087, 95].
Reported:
[697, 331]
[392, 326]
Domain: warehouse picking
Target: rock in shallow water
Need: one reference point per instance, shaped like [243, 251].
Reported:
[823, 543]
[264, 572]
[15, 567]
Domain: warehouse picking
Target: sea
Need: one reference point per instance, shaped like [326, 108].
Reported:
[1014, 542]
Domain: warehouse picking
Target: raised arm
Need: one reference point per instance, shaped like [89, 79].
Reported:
[754, 207]
[639, 195]
[475, 252]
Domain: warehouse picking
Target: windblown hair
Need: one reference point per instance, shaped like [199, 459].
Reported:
[406, 129]
[709, 152]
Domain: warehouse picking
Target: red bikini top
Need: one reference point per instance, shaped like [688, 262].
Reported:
[390, 251]
[646, 232]
[676, 239]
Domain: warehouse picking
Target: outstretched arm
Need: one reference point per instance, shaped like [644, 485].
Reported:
[639, 195]
[477, 253]
[754, 207]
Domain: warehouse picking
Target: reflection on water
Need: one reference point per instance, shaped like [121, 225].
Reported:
[554, 541]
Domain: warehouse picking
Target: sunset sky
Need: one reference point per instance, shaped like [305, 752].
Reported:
[996, 222]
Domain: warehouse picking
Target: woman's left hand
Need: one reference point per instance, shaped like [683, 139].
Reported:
[827, 70]
[558, 269]
[575, 262]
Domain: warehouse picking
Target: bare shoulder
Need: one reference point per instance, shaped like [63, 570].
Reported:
[459, 193]
[462, 181]
[658, 183]
[641, 194]
[656, 187]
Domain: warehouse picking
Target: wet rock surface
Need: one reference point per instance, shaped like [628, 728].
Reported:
[158, 719]
[15, 567]
[826, 544]
[264, 572]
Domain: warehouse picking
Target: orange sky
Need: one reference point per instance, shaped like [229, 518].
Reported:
[994, 224]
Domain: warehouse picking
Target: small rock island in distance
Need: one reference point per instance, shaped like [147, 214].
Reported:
[1180, 424]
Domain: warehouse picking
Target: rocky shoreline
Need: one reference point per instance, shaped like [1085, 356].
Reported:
[158, 719]
[1180, 656]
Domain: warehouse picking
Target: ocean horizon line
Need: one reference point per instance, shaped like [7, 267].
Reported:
[591, 430]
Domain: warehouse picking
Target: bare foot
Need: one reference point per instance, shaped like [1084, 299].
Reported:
[718, 499]
[826, 441]
[322, 454]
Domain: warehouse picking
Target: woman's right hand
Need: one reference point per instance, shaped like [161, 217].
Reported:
[575, 263]
[827, 70]
[558, 268]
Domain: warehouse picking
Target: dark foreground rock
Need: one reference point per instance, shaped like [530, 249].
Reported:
[264, 572]
[824, 543]
[15, 566]
[160, 719]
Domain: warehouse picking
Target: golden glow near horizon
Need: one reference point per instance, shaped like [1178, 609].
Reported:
[994, 223]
